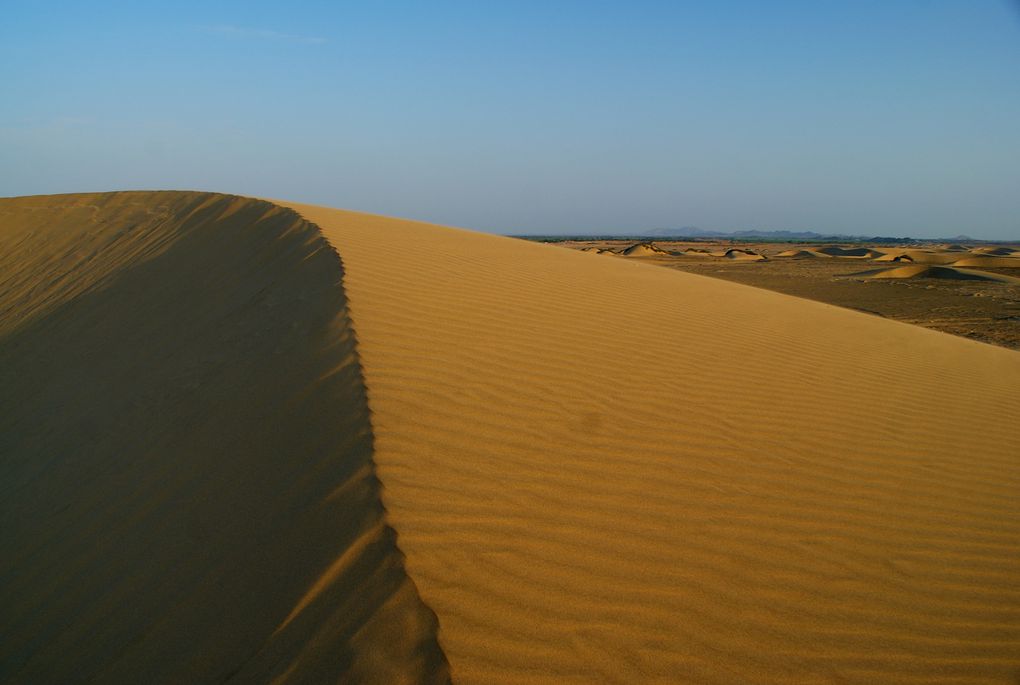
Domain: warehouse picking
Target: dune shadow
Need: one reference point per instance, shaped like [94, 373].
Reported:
[187, 491]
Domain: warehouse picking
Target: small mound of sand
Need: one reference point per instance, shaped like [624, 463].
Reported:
[994, 251]
[895, 257]
[744, 255]
[928, 271]
[644, 250]
[989, 262]
[919, 257]
[800, 254]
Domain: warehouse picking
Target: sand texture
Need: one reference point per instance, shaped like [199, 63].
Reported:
[608, 472]
[599, 470]
[186, 455]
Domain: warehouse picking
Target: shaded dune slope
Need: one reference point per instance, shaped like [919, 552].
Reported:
[604, 471]
[854, 252]
[188, 492]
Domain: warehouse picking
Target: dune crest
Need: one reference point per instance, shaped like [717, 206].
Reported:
[606, 471]
[186, 454]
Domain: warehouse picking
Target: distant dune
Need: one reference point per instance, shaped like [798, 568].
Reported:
[743, 255]
[801, 254]
[989, 262]
[600, 471]
[919, 257]
[894, 257]
[996, 251]
[644, 250]
[928, 271]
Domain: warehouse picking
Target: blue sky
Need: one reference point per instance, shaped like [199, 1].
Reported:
[897, 117]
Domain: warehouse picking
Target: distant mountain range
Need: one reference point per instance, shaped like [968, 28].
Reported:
[695, 233]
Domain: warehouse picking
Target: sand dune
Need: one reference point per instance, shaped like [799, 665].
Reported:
[996, 251]
[587, 492]
[920, 257]
[800, 254]
[644, 250]
[894, 257]
[989, 262]
[600, 471]
[928, 271]
[186, 455]
[743, 255]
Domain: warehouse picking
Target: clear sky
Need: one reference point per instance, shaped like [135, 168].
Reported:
[891, 117]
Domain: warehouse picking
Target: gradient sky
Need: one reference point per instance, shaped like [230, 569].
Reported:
[891, 117]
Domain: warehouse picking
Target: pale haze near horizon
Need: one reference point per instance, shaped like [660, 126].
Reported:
[869, 118]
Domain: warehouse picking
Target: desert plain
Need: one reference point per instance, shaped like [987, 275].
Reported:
[253, 441]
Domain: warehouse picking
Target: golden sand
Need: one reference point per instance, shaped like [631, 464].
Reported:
[599, 471]
[604, 471]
